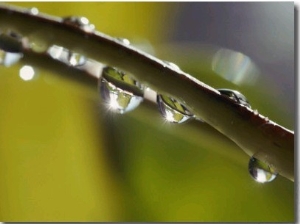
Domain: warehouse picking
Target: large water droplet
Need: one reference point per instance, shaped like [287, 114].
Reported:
[8, 58]
[81, 22]
[172, 110]
[236, 96]
[76, 59]
[119, 90]
[260, 171]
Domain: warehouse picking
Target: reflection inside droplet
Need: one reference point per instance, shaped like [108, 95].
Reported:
[260, 171]
[234, 67]
[172, 110]
[120, 92]
[26, 73]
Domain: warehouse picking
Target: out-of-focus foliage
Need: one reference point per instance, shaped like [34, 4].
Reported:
[63, 157]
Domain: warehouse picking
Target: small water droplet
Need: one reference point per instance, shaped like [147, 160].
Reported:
[260, 171]
[172, 65]
[123, 40]
[9, 58]
[255, 112]
[236, 96]
[172, 110]
[119, 90]
[81, 22]
[33, 11]
[56, 52]
[75, 59]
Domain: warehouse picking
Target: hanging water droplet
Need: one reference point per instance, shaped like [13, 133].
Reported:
[75, 59]
[119, 90]
[9, 58]
[236, 96]
[172, 110]
[260, 171]
[81, 22]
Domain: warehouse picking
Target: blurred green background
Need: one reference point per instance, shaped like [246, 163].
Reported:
[64, 157]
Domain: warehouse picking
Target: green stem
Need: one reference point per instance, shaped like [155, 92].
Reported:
[254, 133]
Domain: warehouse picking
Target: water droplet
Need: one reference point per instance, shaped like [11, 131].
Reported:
[119, 90]
[56, 52]
[33, 11]
[9, 58]
[66, 56]
[172, 110]
[236, 96]
[255, 112]
[75, 59]
[260, 171]
[172, 65]
[81, 22]
[123, 40]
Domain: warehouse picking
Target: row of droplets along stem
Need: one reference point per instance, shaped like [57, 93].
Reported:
[121, 93]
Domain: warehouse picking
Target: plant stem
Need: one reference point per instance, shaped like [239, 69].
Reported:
[254, 133]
